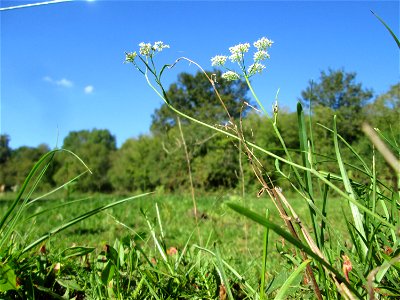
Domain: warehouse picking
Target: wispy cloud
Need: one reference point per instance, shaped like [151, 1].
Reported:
[88, 89]
[63, 82]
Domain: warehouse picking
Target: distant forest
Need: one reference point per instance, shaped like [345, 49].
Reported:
[158, 161]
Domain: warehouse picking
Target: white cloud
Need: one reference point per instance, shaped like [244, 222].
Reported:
[88, 89]
[62, 82]
[48, 79]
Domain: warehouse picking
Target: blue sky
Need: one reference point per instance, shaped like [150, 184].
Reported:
[62, 64]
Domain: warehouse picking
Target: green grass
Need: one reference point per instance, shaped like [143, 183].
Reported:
[228, 242]
[217, 223]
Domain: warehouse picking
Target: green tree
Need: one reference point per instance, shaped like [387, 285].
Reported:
[384, 112]
[20, 164]
[94, 148]
[136, 165]
[5, 154]
[5, 150]
[214, 160]
[339, 93]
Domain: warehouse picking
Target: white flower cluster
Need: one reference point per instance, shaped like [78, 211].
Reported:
[237, 56]
[218, 60]
[146, 49]
[230, 76]
[238, 51]
[263, 44]
[130, 57]
[255, 68]
[159, 46]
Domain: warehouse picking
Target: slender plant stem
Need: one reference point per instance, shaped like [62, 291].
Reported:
[190, 179]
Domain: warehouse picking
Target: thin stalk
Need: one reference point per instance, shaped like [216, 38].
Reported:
[276, 130]
[190, 179]
[264, 261]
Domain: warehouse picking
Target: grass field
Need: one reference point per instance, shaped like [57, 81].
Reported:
[238, 237]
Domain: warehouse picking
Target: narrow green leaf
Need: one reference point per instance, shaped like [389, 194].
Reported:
[283, 291]
[79, 219]
[264, 261]
[69, 284]
[304, 147]
[224, 279]
[278, 230]
[357, 216]
[108, 273]
[76, 251]
[388, 28]
[324, 201]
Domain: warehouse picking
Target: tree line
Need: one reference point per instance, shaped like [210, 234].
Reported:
[158, 161]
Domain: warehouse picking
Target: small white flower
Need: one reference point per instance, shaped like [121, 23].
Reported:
[263, 44]
[145, 49]
[159, 46]
[238, 51]
[255, 68]
[260, 55]
[218, 60]
[230, 76]
[130, 57]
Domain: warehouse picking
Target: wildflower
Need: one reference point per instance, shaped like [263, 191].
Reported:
[263, 44]
[230, 76]
[347, 266]
[172, 251]
[218, 60]
[255, 68]
[260, 55]
[130, 57]
[238, 51]
[159, 46]
[145, 49]
[57, 267]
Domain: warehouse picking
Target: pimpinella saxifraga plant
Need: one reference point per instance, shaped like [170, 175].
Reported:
[334, 269]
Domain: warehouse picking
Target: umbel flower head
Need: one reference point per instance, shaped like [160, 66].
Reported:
[230, 76]
[130, 57]
[218, 60]
[237, 56]
[145, 49]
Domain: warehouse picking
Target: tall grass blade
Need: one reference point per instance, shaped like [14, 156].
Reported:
[264, 261]
[306, 157]
[324, 202]
[284, 290]
[79, 219]
[388, 28]
[224, 279]
[230, 268]
[357, 216]
[288, 237]
[45, 160]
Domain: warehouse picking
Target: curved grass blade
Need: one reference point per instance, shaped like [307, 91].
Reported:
[79, 219]
[357, 216]
[388, 28]
[264, 261]
[283, 291]
[225, 280]
[278, 230]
